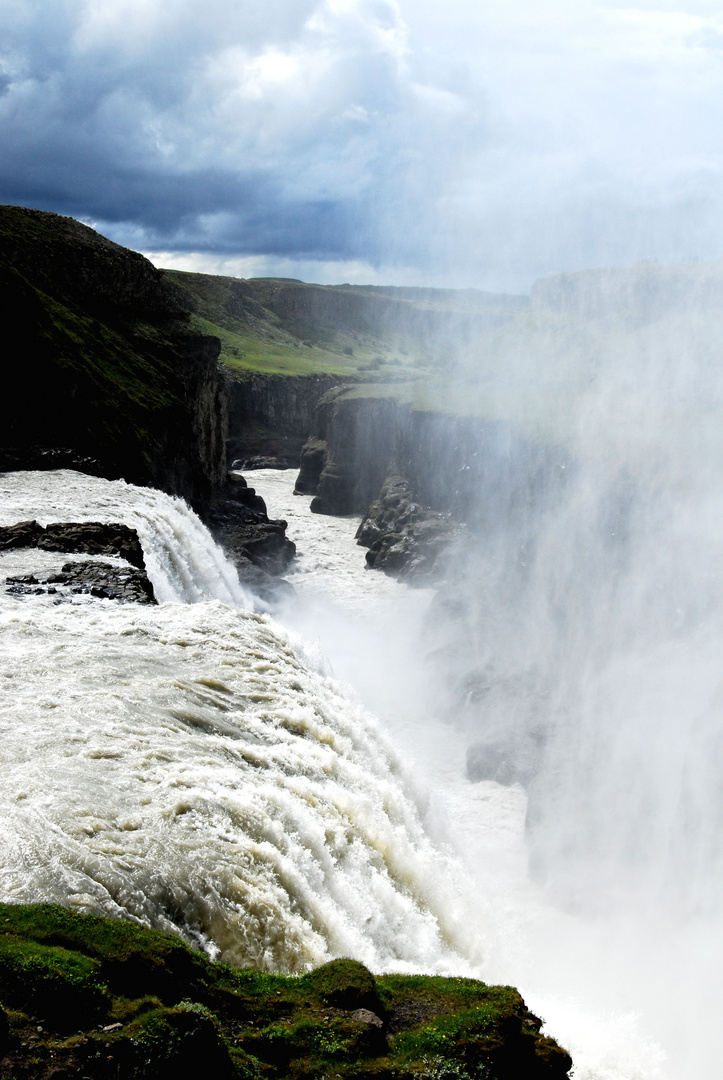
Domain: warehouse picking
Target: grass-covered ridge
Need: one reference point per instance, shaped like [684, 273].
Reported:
[287, 327]
[255, 338]
[106, 999]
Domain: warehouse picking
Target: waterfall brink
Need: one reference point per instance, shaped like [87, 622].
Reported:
[182, 560]
[185, 766]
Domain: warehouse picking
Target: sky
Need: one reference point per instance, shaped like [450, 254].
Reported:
[473, 143]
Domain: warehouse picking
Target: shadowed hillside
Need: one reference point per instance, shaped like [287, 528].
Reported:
[107, 374]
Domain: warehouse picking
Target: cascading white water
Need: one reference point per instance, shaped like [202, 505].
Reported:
[185, 765]
[190, 766]
[181, 558]
[588, 978]
[592, 631]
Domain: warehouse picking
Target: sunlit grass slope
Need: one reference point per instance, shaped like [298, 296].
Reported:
[255, 338]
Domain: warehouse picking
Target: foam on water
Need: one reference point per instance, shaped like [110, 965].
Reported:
[193, 767]
[182, 560]
[589, 980]
[185, 765]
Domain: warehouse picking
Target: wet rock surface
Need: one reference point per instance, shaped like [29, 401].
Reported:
[260, 462]
[267, 587]
[238, 521]
[46, 458]
[404, 538]
[127, 582]
[311, 464]
[503, 759]
[86, 537]
[106, 581]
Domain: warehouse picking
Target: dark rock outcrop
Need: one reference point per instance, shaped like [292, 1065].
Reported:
[404, 538]
[86, 537]
[360, 428]
[311, 464]
[503, 759]
[105, 368]
[269, 588]
[46, 459]
[419, 475]
[103, 580]
[238, 521]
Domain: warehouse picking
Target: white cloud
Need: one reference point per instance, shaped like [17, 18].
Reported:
[488, 142]
[319, 271]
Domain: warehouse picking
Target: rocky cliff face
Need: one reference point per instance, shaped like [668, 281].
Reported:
[361, 434]
[107, 374]
[270, 416]
[417, 475]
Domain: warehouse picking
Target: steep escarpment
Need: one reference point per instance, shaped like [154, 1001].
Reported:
[105, 373]
[285, 344]
[418, 475]
[359, 431]
[270, 416]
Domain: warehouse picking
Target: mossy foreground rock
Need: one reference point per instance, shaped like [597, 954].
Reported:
[88, 997]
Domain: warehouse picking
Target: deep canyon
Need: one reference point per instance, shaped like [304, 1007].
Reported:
[452, 707]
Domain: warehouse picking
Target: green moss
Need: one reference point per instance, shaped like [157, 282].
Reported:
[142, 1004]
[51, 981]
[172, 1042]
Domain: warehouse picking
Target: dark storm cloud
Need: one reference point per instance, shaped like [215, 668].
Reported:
[218, 133]
[474, 144]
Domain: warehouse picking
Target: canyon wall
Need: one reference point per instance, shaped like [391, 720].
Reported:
[105, 374]
[271, 416]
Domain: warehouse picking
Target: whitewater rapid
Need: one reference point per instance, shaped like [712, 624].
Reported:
[590, 980]
[189, 766]
[217, 773]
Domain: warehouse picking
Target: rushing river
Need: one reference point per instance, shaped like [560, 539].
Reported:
[189, 766]
[281, 791]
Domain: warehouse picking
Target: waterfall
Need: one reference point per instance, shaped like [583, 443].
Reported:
[188, 766]
[182, 560]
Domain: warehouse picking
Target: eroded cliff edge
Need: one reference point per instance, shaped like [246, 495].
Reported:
[106, 375]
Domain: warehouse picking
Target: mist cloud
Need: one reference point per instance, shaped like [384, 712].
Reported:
[459, 145]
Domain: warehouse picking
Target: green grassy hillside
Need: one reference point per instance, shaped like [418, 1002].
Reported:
[287, 327]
